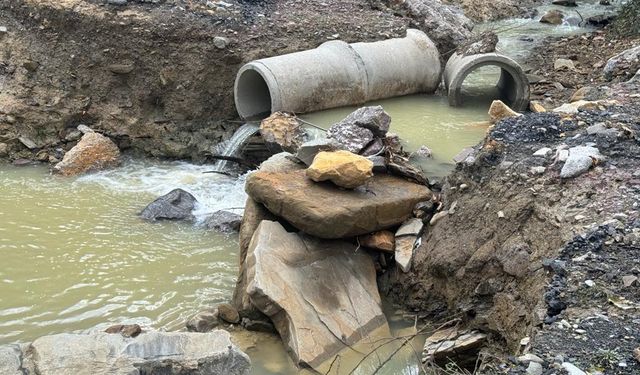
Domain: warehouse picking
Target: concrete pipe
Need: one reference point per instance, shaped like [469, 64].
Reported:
[513, 84]
[338, 74]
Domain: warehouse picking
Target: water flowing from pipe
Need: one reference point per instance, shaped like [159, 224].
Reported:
[235, 144]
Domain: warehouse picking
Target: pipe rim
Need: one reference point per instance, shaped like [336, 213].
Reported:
[468, 64]
[270, 81]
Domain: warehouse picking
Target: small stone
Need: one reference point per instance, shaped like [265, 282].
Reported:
[636, 354]
[4, 149]
[464, 155]
[308, 150]
[565, 3]
[590, 283]
[383, 240]
[561, 64]
[526, 358]
[629, 280]
[203, 321]
[228, 313]
[224, 221]
[500, 214]
[463, 187]
[499, 111]
[258, 325]
[84, 129]
[423, 152]
[538, 170]
[580, 331]
[536, 107]
[126, 330]
[572, 369]
[283, 131]
[580, 94]
[542, 152]
[580, 159]
[553, 17]
[120, 68]
[525, 341]
[534, 368]
[3, 30]
[343, 168]
[221, 42]
[30, 65]
[579, 217]
[117, 2]
[28, 143]
[437, 217]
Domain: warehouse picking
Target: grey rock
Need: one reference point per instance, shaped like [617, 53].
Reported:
[580, 159]
[565, 3]
[150, 353]
[73, 136]
[601, 129]
[571, 369]
[379, 164]
[117, 2]
[405, 241]
[626, 62]
[3, 30]
[228, 313]
[221, 42]
[374, 148]
[204, 321]
[224, 221]
[310, 149]
[351, 137]
[4, 149]
[465, 156]
[445, 24]
[175, 205]
[28, 143]
[534, 368]
[526, 358]
[84, 129]
[281, 162]
[10, 360]
[321, 295]
[258, 325]
[373, 118]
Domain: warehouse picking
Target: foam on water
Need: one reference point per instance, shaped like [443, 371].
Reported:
[212, 190]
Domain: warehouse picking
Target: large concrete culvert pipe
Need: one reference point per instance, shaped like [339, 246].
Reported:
[338, 74]
[513, 84]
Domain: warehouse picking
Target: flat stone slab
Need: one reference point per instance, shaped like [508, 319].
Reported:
[149, 353]
[321, 295]
[326, 211]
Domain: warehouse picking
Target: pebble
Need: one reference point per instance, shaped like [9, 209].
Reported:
[534, 369]
[501, 214]
[542, 152]
[525, 341]
[220, 42]
[526, 358]
[117, 2]
[629, 280]
[437, 217]
[590, 283]
[572, 369]
[538, 170]
[580, 331]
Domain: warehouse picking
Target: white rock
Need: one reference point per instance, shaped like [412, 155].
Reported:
[534, 369]
[590, 283]
[572, 370]
[580, 159]
[526, 358]
[542, 152]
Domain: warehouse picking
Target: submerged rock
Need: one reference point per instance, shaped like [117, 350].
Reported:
[175, 205]
[126, 330]
[94, 152]
[150, 353]
[324, 211]
[204, 321]
[343, 168]
[553, 17]
[224, 221]
[321, 295]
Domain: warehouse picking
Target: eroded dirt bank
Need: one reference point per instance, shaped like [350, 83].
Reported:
[523, 253]
[154, 77]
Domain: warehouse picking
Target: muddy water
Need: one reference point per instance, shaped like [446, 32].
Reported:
[74, 256]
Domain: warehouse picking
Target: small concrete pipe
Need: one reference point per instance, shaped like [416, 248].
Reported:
[513, 84]
[338, 74]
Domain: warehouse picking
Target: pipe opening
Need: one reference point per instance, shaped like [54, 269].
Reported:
[486, 82]
[253, 97]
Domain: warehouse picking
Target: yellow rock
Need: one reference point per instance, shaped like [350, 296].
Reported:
[536, 107]
[284, 130]
[382, 240]
[343, 168]
[580, 94]
[92, 153]
[499, 110]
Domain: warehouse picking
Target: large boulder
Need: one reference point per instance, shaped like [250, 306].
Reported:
[284, 130]
[175, 205]
[623, 64]
[93, 152]
[150, 353]
[445, 24]
[552, 17]
[322, 210]
[343, 168]
[321, 295]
